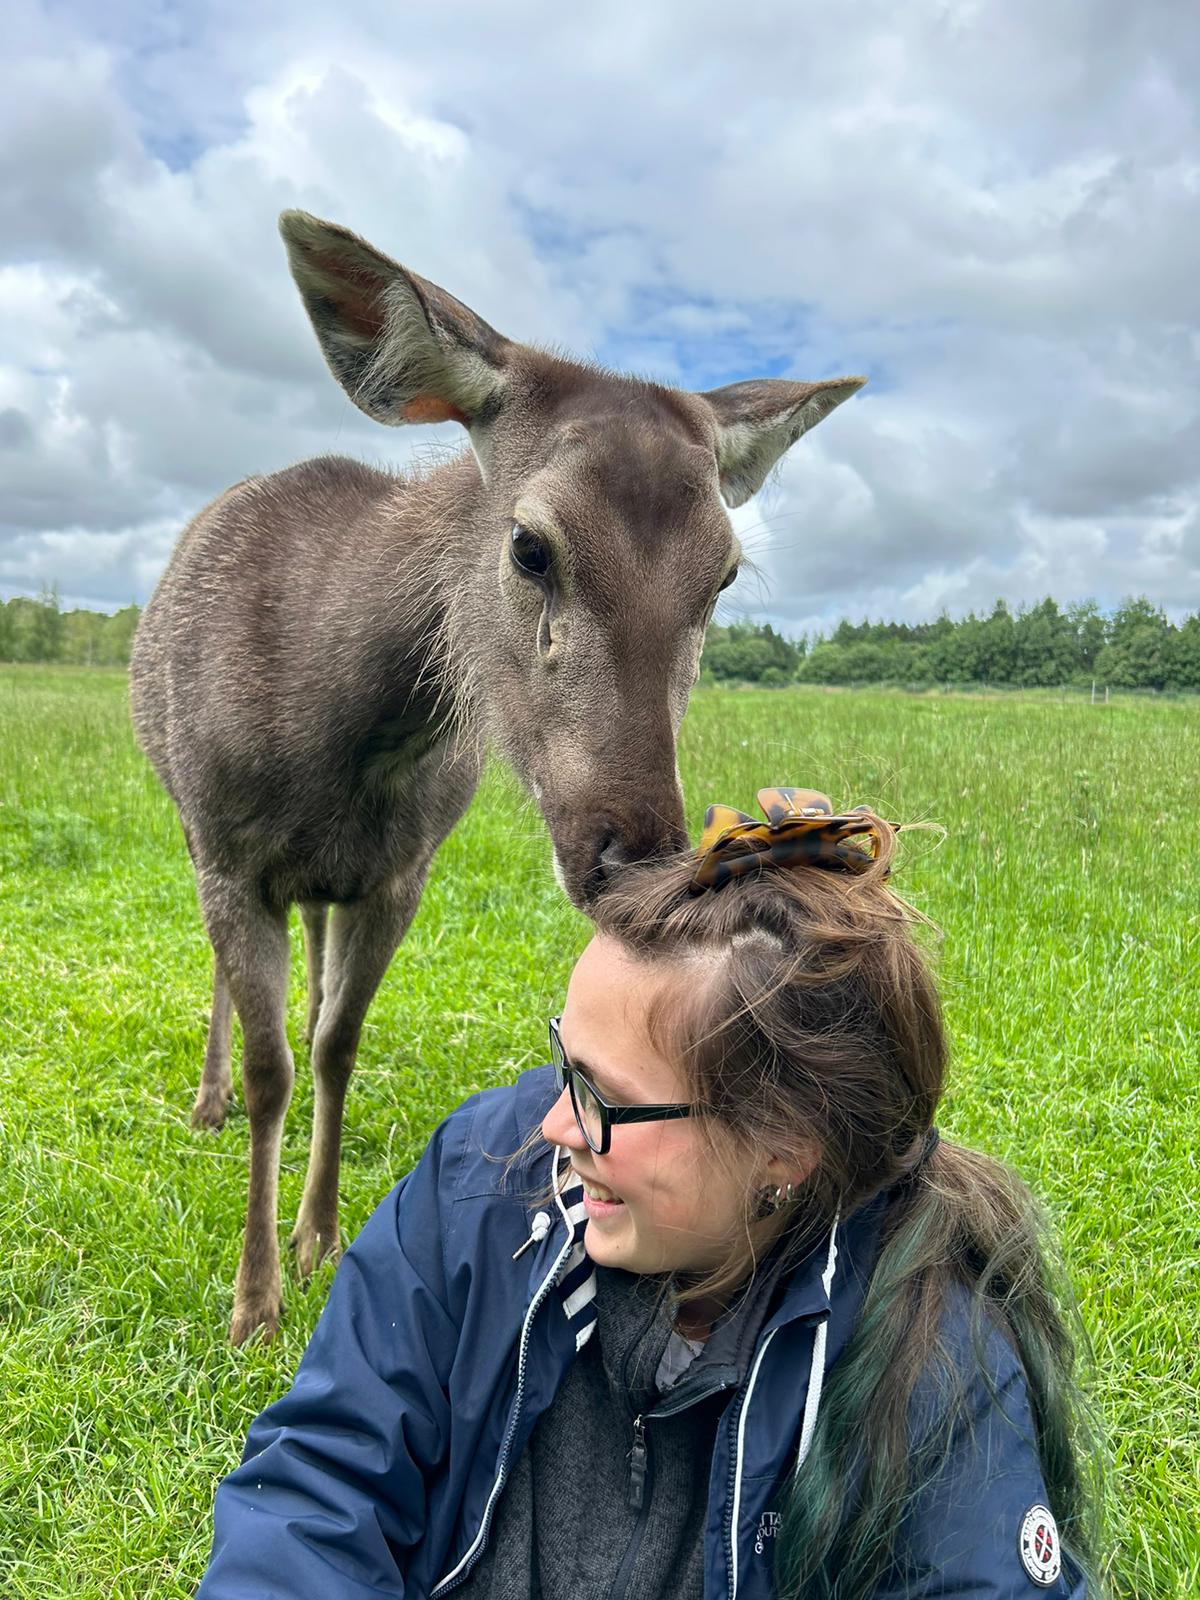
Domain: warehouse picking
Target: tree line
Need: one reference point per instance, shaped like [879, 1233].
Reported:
[40, 630]
[1044, 645]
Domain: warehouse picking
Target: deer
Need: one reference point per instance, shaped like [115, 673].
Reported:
[333, 649]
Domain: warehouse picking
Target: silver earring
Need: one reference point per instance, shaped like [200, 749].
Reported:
[771, 1200]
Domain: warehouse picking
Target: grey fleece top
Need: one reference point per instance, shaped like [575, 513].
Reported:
[600, 1507]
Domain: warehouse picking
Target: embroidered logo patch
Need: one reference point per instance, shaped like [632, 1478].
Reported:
[1038, 1545]
[768, 1527]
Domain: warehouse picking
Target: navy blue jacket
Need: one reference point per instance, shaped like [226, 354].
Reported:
[378, 1472]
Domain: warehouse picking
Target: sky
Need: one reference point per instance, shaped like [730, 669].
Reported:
[989, 208]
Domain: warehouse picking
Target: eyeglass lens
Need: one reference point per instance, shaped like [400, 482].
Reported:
[587, 1112]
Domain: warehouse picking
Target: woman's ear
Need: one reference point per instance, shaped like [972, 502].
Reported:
[795, 1168]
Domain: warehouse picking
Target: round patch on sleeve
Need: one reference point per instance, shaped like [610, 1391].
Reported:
[1038, 1545]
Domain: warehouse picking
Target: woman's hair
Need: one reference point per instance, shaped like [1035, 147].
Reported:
[814, 1026]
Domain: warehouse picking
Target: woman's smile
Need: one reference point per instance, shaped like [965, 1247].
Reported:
[599, 1201]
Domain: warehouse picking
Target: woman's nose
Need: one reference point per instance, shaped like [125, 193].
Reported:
[559, 1125]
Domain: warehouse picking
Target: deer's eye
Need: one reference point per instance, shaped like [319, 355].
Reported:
[528, 552]
[727, 579]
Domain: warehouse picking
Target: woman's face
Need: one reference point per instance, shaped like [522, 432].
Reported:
[658, 1201]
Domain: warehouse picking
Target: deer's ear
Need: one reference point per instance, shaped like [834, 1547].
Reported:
[403, 349]
[759, 420]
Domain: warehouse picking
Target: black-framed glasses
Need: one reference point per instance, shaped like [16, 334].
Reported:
[595, 1115]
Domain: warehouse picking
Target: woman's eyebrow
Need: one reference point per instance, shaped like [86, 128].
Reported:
[595, 1076]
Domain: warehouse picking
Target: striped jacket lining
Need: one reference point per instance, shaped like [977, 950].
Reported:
[577, 1286]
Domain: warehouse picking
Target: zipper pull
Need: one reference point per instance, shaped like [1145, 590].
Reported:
[637, 1466]
[541, 1227]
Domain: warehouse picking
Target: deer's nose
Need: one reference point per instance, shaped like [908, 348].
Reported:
[612, 855]
[616, 849]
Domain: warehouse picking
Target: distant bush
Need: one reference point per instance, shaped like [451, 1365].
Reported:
[746, 652]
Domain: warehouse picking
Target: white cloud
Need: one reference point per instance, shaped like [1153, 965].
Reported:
[159, 348]
[990, 208]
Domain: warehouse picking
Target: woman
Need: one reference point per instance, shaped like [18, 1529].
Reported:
[731, 1322]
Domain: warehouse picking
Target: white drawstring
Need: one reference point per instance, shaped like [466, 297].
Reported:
[816, 1374]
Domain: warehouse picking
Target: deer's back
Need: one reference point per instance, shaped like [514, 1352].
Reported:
[274, 669]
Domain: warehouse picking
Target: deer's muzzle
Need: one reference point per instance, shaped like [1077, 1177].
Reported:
[589, 852]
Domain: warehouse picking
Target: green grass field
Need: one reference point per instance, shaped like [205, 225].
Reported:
[1069, 898]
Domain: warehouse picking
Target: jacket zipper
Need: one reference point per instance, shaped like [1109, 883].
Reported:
[460, 1573]
[733, 1498]
[641, 1483]
[639, 1496]
[730, 1520]
[637, 1466]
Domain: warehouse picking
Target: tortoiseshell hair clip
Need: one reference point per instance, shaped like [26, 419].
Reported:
[801, 830]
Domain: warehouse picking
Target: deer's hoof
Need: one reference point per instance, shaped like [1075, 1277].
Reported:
[208, 1113]
[311, 1244]
[252, 1316]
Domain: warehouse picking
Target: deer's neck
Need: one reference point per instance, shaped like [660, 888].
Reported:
[434, 554]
